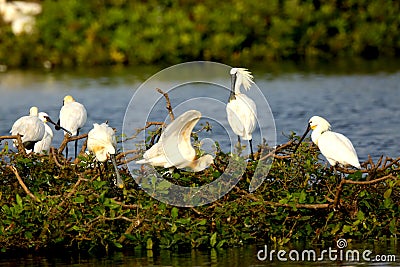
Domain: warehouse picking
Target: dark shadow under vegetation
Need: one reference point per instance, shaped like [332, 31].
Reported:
[48, 201]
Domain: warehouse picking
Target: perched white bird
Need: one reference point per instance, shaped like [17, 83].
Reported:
[20, 15]
[44, 144]
[336, 147]
[241, 110]
[102, 143]
[31, 129]
[174, 149]
[73, 116]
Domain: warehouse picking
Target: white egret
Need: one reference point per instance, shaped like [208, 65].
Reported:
[20, 14]
[73, 116]
[241, 110]
[102, 143]
[336, 147]
[44, 144]
[31, 129]
[174, 149]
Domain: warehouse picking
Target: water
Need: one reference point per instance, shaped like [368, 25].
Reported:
[361, 103]
[231, 257]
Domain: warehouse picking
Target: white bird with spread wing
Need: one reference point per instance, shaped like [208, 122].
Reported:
[336, 147]
[174, 149]
[31, 129]
[102, 143]
[44, 144]
[241, 110]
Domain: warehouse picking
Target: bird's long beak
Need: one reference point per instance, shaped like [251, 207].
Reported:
[301, 139]
[120, 183]
[233, 82]
[57, 125]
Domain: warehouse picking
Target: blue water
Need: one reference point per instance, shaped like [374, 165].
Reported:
[362, 106]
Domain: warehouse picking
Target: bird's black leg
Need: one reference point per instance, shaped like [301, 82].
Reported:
[100, 172]
[76, 144]
[239, 140]
[66, 151]
[251, 149]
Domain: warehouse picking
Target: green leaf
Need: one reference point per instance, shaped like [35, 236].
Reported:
[213, 239]
[174, 213]
[79, 199]
[149, 244]
[387, 193]
[303, 196]
[19, 200]
[118, 245]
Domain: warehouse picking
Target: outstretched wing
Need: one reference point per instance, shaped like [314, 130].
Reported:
[175, 139]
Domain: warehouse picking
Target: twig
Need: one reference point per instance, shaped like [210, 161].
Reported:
[139, 130]
[15, 171]
[169, 108]
[17, 137]
[68, 139]
[52, 152]
[128, 231]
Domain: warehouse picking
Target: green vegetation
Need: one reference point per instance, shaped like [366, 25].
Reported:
[88, 33]
[68, 204]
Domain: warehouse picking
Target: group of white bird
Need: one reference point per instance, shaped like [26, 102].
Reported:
[20, 14]
[37, 136]
[174, 147]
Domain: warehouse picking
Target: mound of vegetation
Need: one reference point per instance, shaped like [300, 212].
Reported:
[48, 201]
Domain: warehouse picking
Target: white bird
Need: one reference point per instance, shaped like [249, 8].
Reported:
[20, 15]
[72, 117]
[241, 110]
[174, 149]
[31, 129]
[336, 147]
[44, 144]
[102, 143]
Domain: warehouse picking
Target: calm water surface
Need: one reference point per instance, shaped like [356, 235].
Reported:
[362, 103]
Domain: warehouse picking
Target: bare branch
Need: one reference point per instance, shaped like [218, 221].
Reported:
[169, 107]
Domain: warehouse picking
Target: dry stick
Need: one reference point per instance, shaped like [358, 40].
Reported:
[169, 107]
[68, 139]
[81, 152]
[277, 204]
[139, 130]
[53, 153]
[273, 152]
[132, 226]
[20, 146]
[15, 171]
[345, 181]
[127, 152]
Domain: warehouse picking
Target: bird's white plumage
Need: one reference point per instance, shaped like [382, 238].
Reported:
[101, 141]
[336, 147]
[241, 110]
[73, 115]
[31, 128]
[20, 15]
[44, 144]
[174, 149]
